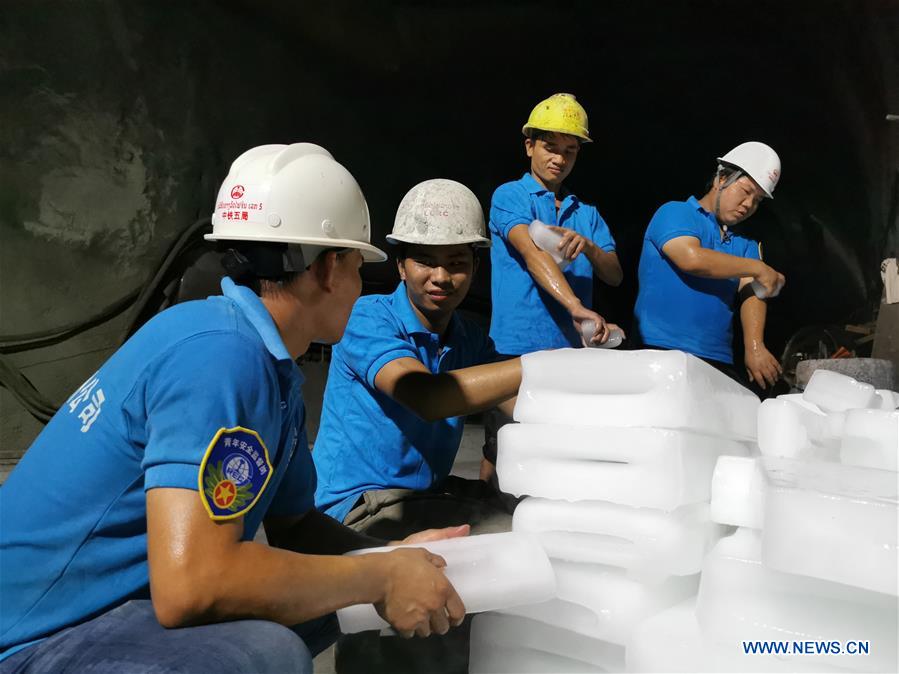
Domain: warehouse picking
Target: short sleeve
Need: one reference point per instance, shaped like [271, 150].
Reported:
[296, 493]
[752, 250]
[510, 206]
[373, 338]
[601, 234]
[671, 221]
[208, 382]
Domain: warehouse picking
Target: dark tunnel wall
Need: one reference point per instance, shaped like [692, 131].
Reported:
[118, 119]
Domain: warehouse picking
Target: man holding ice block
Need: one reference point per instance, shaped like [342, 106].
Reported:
[127, 531]
[693, 268]
[407, 370]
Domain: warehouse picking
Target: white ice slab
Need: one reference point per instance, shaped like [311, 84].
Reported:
[650, 544]
[871, 438]
[672, 641]
[659, 389]
[506, 643]
[887, 400]
[490, 571]
[835, 392]
[833, 522]
[789, 429]
[644, 467]
[740, 599]
[738, 492]
[602, 602]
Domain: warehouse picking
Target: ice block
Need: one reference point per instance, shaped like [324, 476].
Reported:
[506, 643]
[651, 544]
[489, 572]
[644, 467]
[740, 599]
[738, 492]
[659, 389]
[871, 438]
[672, 641]
[602, 602]
[887, 400]
[833, 522]
[835, 392]
[789, 429]
[548, 240]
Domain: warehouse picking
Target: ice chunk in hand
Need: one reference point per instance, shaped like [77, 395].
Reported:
[548, 240]
[616, 336]
[833, 522]
[507, 643]
[871, 438]
[738, 492]
[644, 467]
[741, 599]
[649, 543]
[659, 389]
[835, 392]
[490, 571]
[602, 602]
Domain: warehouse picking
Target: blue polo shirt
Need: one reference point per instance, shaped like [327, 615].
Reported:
[677, 310]
[367, 440]
[73, 530]
[525, 318]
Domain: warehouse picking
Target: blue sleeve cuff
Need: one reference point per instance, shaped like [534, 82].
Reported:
[172, 475]
[385, 358]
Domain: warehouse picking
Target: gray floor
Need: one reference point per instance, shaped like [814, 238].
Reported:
[467, 465]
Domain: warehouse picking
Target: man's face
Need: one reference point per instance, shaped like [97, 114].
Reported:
[347, 287]
[437, 277]
[552, 157]
[738, 201]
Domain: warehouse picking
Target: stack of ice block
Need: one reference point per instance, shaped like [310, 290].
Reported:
[615, 452]
[815, 556]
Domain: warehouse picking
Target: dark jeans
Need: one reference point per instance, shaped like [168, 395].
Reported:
[129, 639]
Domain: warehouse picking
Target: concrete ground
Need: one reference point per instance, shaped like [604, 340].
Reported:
[467, 465]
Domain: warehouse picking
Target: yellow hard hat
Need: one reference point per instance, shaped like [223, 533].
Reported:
[561, 113]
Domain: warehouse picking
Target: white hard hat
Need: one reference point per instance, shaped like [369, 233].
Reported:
[294, 194]
[757, 160]
[439, 212]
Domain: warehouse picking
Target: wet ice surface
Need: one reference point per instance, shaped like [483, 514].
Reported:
[742, 599]
[489, 572]
[649, 467]
[658, 389]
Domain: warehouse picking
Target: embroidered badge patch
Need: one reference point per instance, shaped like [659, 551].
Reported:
[234, 472]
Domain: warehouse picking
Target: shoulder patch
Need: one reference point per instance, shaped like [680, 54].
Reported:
[234, 472]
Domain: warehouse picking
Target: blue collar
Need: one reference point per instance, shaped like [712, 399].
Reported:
[411, 322]
[533, 187]
[258, 316]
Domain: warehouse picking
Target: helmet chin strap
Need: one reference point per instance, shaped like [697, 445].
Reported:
[734, 177]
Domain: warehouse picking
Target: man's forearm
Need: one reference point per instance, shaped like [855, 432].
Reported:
[605, 265]
[316, 534]
[546, 274]
[753, 313]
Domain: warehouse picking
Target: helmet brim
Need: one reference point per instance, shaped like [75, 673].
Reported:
[369, 253]
[476, 241]
[525, 129]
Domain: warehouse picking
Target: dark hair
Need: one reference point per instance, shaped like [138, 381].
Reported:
[258, 265]
[726, 172]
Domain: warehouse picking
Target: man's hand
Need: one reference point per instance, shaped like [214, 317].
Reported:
[435, 535]
[418, 598]
[772, 279]
[601, 333]
[572, 243]
[761, 366]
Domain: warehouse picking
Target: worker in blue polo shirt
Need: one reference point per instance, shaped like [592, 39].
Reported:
[409, 367]
[693, 268]
[542, 297]
[127, 529]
